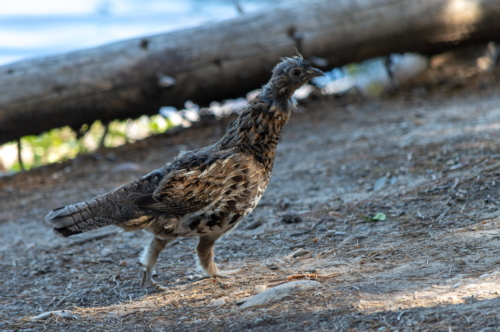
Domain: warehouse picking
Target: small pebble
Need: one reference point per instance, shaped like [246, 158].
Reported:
[106, 252]
[259, 289]
[217, 303]
[380, 183]
[284, 203]
[255, 224]
[291, 218]
[224, 284]
[300, 252]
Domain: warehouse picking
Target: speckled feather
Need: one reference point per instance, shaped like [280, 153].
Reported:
[203, 192]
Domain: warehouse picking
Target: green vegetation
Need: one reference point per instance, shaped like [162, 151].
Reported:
[64, 143]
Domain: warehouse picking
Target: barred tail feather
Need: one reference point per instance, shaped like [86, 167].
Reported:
[78, 218]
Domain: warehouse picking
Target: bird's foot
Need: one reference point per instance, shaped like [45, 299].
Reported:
[147, 277]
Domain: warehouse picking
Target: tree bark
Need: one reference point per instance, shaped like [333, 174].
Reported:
[226, 59]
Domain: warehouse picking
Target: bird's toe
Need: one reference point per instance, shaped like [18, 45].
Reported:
[148, 278]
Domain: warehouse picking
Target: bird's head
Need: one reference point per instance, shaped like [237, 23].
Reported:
[290, 74]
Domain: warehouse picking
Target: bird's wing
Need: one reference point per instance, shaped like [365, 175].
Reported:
[196, 183]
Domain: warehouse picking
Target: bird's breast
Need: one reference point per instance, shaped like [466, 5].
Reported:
[236, 201]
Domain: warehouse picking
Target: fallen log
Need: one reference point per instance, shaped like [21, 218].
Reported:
[226, 59]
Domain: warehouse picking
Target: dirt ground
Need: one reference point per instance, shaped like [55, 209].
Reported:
[428, 158]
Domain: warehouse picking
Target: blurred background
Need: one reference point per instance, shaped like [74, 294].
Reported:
[32, 28]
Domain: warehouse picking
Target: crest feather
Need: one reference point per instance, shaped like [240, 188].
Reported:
[298, 53]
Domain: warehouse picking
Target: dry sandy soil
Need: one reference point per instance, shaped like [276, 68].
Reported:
[429, 159]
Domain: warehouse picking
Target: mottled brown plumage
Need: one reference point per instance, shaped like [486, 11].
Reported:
[203, 192]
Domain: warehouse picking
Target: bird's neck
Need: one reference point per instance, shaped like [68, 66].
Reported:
[257, 130]
[279, 89]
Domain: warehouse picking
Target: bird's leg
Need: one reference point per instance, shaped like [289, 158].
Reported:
[205, 251]
[148, 260]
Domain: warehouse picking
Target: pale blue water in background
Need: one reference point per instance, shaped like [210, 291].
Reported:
[35, 28]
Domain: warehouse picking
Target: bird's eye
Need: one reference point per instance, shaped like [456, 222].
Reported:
[296, 72]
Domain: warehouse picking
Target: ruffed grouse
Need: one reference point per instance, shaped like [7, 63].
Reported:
[205, 192]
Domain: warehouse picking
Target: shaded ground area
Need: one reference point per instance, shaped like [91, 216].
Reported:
[428, 160]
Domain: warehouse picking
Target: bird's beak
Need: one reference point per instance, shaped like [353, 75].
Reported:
[316, 73]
